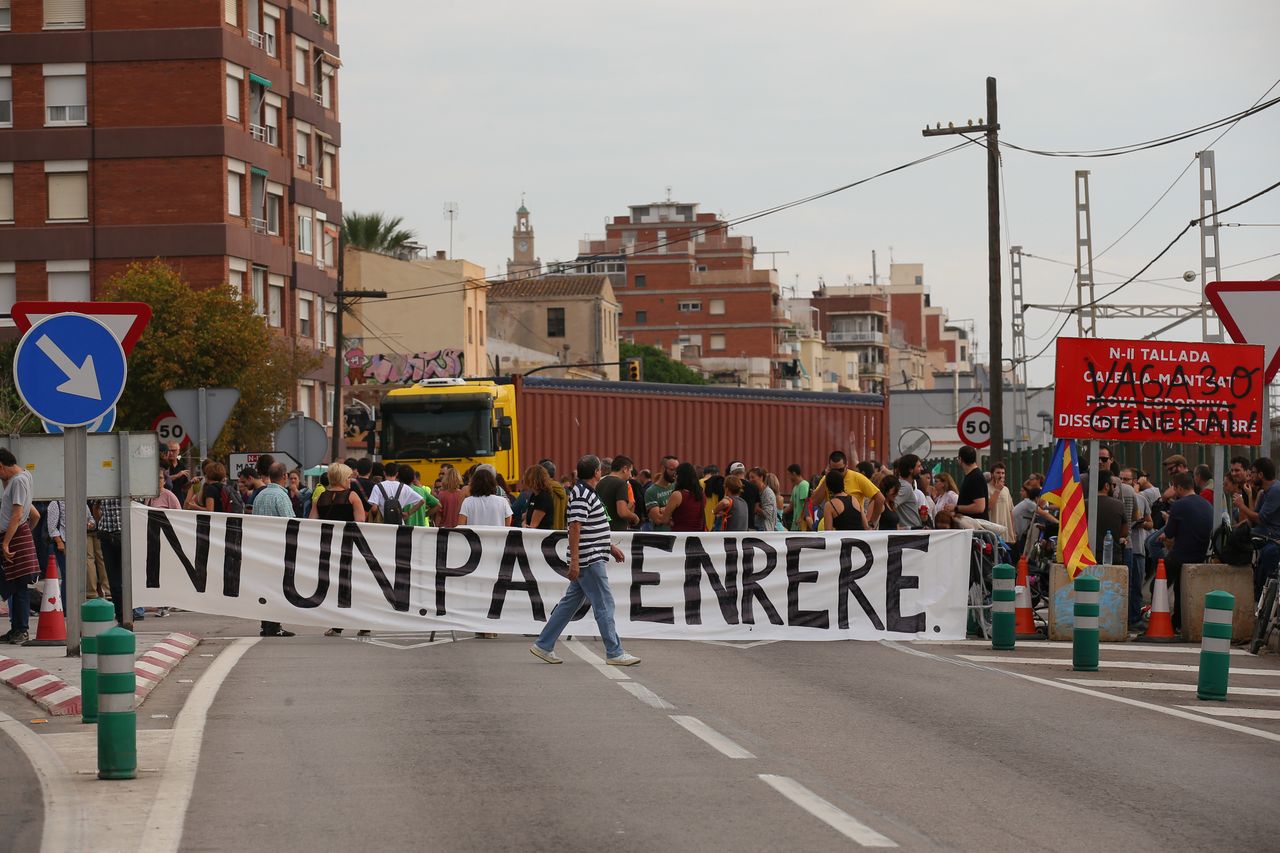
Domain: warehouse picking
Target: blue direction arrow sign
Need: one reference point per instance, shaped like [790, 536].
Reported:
[70, 370]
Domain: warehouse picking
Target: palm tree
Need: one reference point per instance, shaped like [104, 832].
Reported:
[375, 232]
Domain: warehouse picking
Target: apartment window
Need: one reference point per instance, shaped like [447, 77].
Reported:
[301, 60]
[235, 91]
[306, 231]
[689, 307]
[275, 300]
[717, 342]
[4, 15]
[555, 322]
[329, 331]
[63, 14]
[270, 28]
[320, 11]
[702, 267]
[919, 279]
[716, 306]
[302, 143]
[642, 317]
[662, 242]
[6, 192]
[68, 280]
[327, 164]
[68, 190]
[6, 97]
[328, 243]
[326, 85]
[235, 277]
[640, 281]
[230, 13]
[64, 95]
[235, 187]
[260, 290]
[271, 119]
[304, 315]
[274, 207]
[258, 98]
[8, 286]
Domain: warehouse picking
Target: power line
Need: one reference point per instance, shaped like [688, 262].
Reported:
[443, 288]
[1159, 142]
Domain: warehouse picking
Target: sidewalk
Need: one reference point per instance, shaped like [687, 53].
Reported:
[51, 679]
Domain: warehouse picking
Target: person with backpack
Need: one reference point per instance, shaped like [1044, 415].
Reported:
[395, 499]
[218, 495]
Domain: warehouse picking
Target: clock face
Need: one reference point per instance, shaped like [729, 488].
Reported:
[524, 245]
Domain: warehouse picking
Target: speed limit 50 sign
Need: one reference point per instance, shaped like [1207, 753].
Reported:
[168, 428]
[974, 426]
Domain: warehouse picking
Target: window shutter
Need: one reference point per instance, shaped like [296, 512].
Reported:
[64, 91]
[6, 198]
[68, 195]
[229, 13]
[64, 13]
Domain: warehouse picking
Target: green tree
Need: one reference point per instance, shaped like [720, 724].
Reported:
[208, 338]
[658, 366]
[15, 417]
[375, 232]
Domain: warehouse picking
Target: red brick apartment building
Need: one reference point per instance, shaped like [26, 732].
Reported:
[202, 132]
[689, 288]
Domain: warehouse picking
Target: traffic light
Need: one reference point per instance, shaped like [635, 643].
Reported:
[635, 371]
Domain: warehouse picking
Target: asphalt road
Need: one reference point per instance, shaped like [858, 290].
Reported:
[334, 744]
[21, 811]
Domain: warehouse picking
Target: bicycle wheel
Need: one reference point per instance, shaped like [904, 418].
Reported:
[1262, 626]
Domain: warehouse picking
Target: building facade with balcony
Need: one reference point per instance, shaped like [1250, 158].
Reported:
[691, 289]
[854, 322]
[202, 133]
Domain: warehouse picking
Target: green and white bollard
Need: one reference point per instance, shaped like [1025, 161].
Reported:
[117, 721]
[1003, 601]
[1215, 647]
[96, 616]
[1084, 634]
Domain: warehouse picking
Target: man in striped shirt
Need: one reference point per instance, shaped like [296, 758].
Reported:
[589, 550]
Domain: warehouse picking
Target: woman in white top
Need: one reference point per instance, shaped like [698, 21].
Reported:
[484, 506]
[947, 495]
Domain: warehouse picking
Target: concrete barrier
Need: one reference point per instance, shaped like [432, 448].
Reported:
[1198, 580]
[1113, 603]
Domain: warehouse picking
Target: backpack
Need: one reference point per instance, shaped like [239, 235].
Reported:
[229, 500]
[1233, 545]
[392, 512]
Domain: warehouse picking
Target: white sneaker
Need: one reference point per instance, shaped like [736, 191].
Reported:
[623, 659]
[546, 656]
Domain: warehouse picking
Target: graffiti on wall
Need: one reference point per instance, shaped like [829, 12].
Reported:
[397, 368]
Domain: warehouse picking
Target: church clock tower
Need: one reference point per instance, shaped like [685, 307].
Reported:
[524, 262]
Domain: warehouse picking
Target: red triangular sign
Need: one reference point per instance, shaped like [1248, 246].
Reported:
[126, 320]
[1250, 312]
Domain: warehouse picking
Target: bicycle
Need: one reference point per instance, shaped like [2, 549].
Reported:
[1267, 616]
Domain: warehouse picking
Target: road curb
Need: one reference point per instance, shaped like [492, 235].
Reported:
[60, 699]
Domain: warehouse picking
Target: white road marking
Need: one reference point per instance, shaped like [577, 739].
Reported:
[1123, 700]
[1116, 664]
[163, 832]
[595, 660]
[739, 644]
[1066, 645]
[841, 821]
[1245, 713]
[711, 737]
[63, 816]
[1169, 686]
[647, 696]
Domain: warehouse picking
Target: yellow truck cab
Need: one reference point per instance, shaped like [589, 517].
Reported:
[463, 422]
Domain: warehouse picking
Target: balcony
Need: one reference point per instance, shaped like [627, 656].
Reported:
[872, 369]
[319, 181]
[263, 133]
[846, 336]
[259, 225]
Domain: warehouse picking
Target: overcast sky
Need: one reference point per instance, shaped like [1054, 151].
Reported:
[739, 105]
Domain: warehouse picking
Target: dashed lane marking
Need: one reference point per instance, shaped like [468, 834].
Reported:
[711, 737]
[1168, 686]
[647, 696]
[610, 672]
[839, 820]
[1242, 713]
[1116, 664]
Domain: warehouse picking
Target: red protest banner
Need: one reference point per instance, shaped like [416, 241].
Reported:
[1151, 391]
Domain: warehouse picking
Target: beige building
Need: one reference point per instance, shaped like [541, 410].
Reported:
[440, 332]
[572, 319]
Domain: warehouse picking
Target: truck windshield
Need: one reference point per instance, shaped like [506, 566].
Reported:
[439, 429]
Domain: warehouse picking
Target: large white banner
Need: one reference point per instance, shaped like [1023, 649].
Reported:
[696, 586]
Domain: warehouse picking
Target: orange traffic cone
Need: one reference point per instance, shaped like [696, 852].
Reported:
[1024, 623]
[1160, 625]
[51, 630]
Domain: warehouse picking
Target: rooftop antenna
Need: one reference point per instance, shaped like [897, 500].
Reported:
[451, 214]
[668, 192]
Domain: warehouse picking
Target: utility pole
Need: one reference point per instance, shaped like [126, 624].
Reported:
[1021, 406]
[343, 300]
[991, 127]
[1210, 323]
[1086, 305]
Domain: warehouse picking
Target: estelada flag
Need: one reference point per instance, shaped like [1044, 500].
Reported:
[1063, 489]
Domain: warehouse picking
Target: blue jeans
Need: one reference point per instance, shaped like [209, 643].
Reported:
[19, 600]
[1137, 575]
[592, 584]
[1268, 560]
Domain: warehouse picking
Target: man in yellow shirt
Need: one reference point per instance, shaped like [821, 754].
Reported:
[866, 494]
